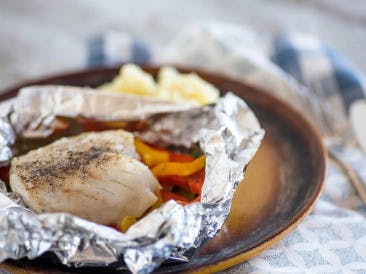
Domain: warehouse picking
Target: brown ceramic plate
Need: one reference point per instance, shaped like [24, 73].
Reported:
[281, 186]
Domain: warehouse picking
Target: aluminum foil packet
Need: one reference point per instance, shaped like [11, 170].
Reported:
[227, 132]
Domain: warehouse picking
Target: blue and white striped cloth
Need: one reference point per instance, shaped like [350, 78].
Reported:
[333, 238]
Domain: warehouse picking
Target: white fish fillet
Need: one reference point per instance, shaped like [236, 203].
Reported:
[96, 176]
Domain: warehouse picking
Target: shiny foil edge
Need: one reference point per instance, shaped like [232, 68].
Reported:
[228, 133]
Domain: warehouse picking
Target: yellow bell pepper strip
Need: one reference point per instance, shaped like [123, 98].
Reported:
[149, 155]
[125, 223]
[178, 168]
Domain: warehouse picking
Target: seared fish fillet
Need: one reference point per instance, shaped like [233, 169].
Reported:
[96, 176]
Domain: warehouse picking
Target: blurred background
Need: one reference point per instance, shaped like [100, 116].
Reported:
[45, 37]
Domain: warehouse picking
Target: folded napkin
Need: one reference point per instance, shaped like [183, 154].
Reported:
[333, 238]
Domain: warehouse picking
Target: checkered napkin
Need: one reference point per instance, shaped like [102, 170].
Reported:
[333, 238]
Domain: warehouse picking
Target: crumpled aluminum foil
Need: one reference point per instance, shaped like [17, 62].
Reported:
[227, 132]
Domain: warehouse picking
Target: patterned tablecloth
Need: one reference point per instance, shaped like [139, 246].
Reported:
[333, 238]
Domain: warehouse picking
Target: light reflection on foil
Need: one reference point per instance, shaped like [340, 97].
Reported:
[227, 132]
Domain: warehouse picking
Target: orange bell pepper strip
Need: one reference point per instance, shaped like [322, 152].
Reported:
[195, 182]
[192, 183]
[178, 168]
[174, 180]
[197, 199]
[167, 195]
[149, 155]
[179, 157]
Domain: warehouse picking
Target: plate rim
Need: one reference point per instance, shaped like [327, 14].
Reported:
[11, 91]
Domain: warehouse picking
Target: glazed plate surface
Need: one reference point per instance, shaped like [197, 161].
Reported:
[281, 185]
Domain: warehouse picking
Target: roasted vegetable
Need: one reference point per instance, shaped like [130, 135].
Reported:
[125, 223]
[149, 155]
[179, 168]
